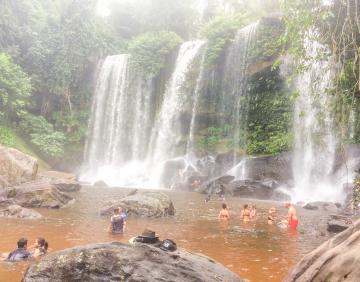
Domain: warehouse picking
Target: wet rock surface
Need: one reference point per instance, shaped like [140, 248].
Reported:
[324, 206]
[338, 223]
[144, 204]
[36, 194]
[335, 260]
[123, 262]
[16, 167]
[16, 211]
[65, 182]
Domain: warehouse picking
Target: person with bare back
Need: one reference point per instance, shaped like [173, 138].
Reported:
[224, 213]
[292, 219]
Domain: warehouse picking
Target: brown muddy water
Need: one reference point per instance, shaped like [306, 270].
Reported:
[255, 251]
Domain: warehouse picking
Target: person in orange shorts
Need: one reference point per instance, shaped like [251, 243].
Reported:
[292, 219]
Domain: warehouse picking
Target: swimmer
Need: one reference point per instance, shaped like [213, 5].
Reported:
[21, 253]
[271, 215]
[245, 214]
[292, 220]
[117, 222]
[40, 247]
[224, 213]
[253, 212]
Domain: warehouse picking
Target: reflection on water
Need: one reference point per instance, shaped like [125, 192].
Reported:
[255, 250]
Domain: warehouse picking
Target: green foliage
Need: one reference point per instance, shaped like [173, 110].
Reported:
[220, 32]
[15, 89]
[149, 50]
[43, 137]
[73, 124]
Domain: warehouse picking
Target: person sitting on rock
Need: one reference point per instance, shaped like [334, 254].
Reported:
[224, 213]
[21, 253]
[40, 247]
[117, 222]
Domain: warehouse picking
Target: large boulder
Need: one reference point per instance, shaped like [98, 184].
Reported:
[338, 223]
[323, 206]
[122, 262]
[37, 194]
[144, 204]
[65, 182]
[337, 259]
[15, 211]
[217, 185]
[16, 167]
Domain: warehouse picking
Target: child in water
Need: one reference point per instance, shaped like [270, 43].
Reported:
[40, 247]
[224, 213]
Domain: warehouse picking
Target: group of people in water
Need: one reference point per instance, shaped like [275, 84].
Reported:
[249, 213]
[22, 252]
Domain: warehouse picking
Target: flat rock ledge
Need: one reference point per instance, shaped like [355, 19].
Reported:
[123, 262]
[337, 259]
[144, 204]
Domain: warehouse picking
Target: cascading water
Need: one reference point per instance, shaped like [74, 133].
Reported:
[167, 131]
[314, 139]
[119, 125]
[235, 90]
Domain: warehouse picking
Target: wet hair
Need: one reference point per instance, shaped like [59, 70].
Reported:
[116, 210]
[253, 206]
[43, 243]
[245, 206]
[224, 206]
[22, 242]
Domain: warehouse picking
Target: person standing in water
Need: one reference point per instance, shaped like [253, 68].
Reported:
[224, 213]
[245, 213]
[21, 253]
[292, 219]
[117, 222]
[253, 212]
[271, 215]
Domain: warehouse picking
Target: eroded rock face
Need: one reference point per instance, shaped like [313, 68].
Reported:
[37, 194]
[336, 260]
[144, 204]
[16, 167]
[122, 262]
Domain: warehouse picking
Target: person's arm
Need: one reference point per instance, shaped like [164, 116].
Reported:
[110, 225]
[242, 214]
[289, 216]
[124, 225]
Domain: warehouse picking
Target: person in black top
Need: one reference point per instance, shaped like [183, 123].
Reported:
[21, 253]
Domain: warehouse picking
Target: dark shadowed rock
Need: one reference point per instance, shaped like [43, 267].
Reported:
[15, 211]
[250, 189]
[37, 194]
[337, 259]
[144, 204]
[100, 183]
[217, 185]
[16, 167]
[338, 223]
[122, 262]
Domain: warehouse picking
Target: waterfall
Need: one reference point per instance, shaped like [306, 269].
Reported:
[235, 89]
[119, 124]
[166, 140]
[314, 138]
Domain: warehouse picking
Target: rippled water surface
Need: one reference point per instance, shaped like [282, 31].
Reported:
[255, 250]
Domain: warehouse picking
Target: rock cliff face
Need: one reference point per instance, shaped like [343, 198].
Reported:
[16, 167]
[336, 260]
[123, 262]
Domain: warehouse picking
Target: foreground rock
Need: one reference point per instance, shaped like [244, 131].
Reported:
[16, 167]
[37, 194]
[336, 260]
[338, 223]
[122, 262]
[15, 211]
[144, 204]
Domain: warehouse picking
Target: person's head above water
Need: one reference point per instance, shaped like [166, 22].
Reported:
[22, 243]
[287, 205]
[245, 206]
[224, 206]
[116, 211]
[41, 242]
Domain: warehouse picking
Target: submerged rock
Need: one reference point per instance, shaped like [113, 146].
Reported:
[122, 262]
[16, 167]
[335, 260]
[145, 204]
[37, 194]
[16, 211]
[325, 206]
